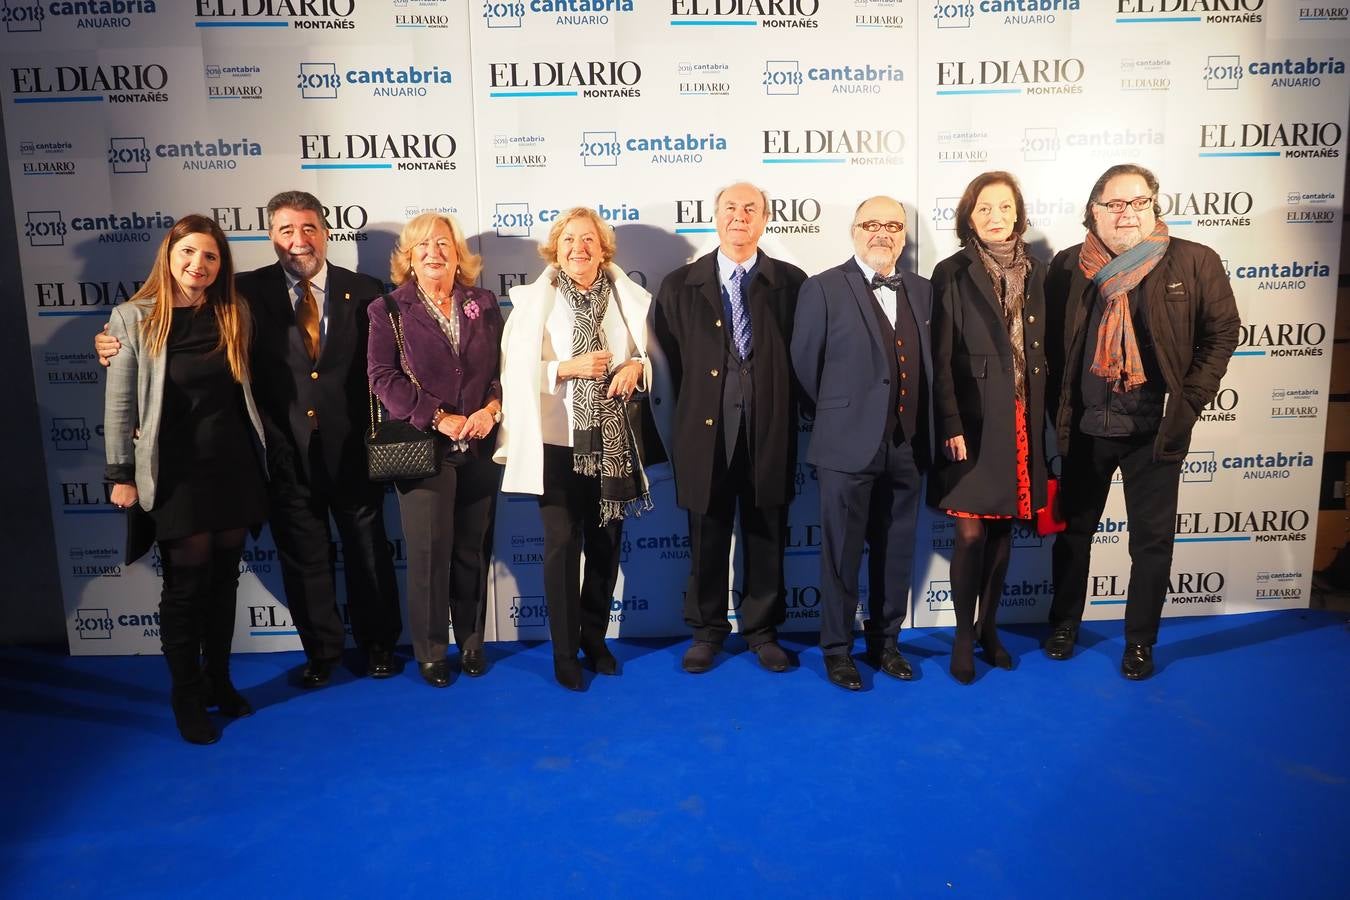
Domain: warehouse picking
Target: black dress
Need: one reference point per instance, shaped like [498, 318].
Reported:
[210, 477]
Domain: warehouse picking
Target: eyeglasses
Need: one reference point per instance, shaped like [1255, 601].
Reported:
[1138, 204]
[874, 225]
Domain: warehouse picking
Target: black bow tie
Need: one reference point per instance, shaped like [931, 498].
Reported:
[893, 282]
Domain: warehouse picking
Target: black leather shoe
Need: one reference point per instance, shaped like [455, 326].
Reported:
[1137, 663]
[890, 661]
[1059, 645]
[771, 656]
[231, 703]
[567, 672]
[843, 672]
[473, 663]
[317, 673]
[699, 657]
[379, 661]
[436, 674]
[601, 660]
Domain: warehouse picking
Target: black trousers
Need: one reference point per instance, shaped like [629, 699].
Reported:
[763, 530]
[1151, 511]
[300, 509]
[447, 525]
[578, 602]
[878, 505]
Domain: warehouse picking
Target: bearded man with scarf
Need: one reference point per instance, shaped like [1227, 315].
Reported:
[1140, 328]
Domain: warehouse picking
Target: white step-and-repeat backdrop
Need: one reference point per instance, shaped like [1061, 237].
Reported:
[122, 116]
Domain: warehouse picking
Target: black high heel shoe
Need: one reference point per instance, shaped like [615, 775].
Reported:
[994, 651]
[567, 672]
[963, 659]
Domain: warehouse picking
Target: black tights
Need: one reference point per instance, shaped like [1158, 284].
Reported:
[979, 564]
[196, 606]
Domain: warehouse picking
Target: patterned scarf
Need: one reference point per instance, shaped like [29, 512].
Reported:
[1007, 265]
[1117, 358]
[602, 441]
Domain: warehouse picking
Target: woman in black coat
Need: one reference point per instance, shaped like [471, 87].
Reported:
[988, 402]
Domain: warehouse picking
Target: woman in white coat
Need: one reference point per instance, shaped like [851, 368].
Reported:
[574, 351]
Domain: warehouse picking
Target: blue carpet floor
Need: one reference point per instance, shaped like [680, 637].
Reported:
[1226, 775]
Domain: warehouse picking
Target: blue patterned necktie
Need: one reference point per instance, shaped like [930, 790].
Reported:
[740, 316]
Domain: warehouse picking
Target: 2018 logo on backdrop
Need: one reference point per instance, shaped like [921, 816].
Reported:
[323, 80]
[528, 610]
[1010, 76]
[1227, 72]
[30, 15]
[1258, 525]
[378, 151]
[606, 148]
[519, 13]
[596, 79]
[136, 83]
[944, 535]
[703, 79]
[1295, 403]
[1199, 467]
[233, 82]
[1185, 12]
[1281, 275]
[72, 433]
[856, 147]
[94, 624]
[132, 155]
[1001, 12]
[787, 215]
[71, 368]
[345, 221]
[45, 157]
[303, 14]
[1016, 593]
[1292, 140]
[1146, 75]
[1207, 209]
[753, 13]
[1278, 340]
[429, 14]
[785, 77]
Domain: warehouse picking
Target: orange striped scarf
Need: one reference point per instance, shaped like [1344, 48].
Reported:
[1117, 357]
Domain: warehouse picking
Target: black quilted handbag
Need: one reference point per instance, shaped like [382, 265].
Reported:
[397, 450]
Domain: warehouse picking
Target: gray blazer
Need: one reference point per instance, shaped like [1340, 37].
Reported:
[134, 397]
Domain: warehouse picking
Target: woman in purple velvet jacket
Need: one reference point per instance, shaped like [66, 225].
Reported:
[447, 380]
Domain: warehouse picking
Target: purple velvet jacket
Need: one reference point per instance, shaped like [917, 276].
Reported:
[460, 383]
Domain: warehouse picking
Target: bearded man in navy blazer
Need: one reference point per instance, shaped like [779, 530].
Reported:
[860, 350]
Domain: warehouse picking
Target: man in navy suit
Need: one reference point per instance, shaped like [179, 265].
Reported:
[309, 375]
[860, 351]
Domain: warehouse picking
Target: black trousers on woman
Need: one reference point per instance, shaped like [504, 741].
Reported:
[447, 525]
[578, 603]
